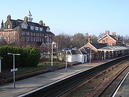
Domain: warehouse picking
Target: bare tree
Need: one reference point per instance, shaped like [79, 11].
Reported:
[63, 41]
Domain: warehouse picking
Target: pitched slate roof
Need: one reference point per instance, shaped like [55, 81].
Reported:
[86, 51]
[75, 52]
[18, 22]
[99, 45]
[114, 37]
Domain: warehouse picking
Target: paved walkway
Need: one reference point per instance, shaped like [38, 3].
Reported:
[29, 84]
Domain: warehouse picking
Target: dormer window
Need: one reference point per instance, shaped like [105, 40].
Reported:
[36, 28]
[32, 27]
[24, 26]
[48, 29]
[9, 26]
[41, 29]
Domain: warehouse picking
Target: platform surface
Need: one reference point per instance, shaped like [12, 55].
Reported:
[32, 83]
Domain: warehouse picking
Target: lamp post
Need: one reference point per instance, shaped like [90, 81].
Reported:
[0, 63]
[53, 43]
[89, 55]
[66, 64]
[14, 69]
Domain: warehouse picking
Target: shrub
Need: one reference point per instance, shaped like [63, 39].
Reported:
[29, 56]
[33, 55]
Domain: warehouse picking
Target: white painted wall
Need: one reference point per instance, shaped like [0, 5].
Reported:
[77, 58]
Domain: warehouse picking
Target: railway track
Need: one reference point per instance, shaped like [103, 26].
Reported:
[65, 86]
[112, 87]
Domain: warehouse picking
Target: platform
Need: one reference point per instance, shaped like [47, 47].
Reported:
[29, 84]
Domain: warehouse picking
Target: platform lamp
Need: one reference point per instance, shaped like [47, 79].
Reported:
[52, 47]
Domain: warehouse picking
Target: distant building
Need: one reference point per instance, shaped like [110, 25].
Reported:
[110, 39]
[25, 32]
[108, 46]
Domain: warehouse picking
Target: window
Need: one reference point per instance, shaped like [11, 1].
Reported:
[103, 41]
[27, 38]
[32, 27]
[9, 26]
[24, 26]
[36, 28]
[47, 39]
[38, 34]
[27, 33]
[42, 39]
[31, 33]
[48, 29]
[23, 33]
[41, 29]
[41, 34]
[31, 38]
[34, 34]
[23, 39]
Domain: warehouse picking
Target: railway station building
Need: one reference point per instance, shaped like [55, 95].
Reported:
[108, 46]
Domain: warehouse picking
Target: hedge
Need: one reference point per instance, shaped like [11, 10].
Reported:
[29, 56]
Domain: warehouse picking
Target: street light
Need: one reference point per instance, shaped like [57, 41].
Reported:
[89, 55]
[66, 64]
[53, 43]
[14, 69]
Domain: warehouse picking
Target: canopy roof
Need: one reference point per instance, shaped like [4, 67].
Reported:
[114, 48]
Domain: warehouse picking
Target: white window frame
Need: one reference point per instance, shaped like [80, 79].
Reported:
[32, 27]
[36, 28]
[41, 29]
[24, 26]
[48, 30]
[9, 26]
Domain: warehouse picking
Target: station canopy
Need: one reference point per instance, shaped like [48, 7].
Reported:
[114, 48]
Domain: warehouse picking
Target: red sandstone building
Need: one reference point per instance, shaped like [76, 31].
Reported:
[25, 32]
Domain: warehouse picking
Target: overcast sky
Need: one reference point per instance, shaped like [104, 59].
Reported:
[72, 16]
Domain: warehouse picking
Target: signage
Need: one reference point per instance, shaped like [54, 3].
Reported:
[14, 70]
